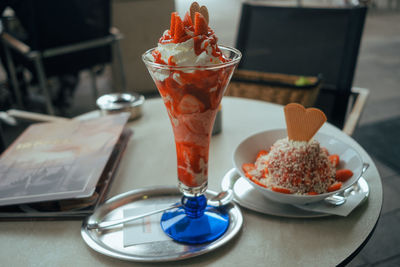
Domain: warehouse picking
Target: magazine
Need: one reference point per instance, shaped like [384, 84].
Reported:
[73, 208]
[59, 163]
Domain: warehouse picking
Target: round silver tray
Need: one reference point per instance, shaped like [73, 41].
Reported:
[246, 196]
[110, 242]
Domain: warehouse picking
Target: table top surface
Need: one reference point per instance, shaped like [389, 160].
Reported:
[150, 161]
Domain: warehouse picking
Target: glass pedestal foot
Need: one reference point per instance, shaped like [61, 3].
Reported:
[195, 222]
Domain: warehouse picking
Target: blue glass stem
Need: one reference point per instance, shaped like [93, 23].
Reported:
[194, 206]
[195, 222]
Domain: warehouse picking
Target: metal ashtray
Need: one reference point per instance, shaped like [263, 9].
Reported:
[121, 102]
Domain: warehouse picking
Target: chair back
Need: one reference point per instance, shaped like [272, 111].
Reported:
[305, 41]
[57, 23]
[274, 87]
[50, 24]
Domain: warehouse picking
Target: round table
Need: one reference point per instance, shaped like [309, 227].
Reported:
[150, 160]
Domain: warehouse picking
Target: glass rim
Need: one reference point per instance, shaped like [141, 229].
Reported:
[206, 67]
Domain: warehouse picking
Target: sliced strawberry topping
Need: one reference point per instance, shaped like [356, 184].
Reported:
[248, 167]
[172, 27]
[179, 29]
[200, 24]
[262, 153]
[334, 187]
[254, 180]
[281, 190]
[343, 175]
[334, 159]
[187, 20]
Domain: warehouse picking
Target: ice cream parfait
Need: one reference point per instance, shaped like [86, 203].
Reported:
[191, 72]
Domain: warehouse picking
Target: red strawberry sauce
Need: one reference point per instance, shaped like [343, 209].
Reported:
[192, 106]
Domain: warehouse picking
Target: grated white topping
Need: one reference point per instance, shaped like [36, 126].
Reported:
[301, 167]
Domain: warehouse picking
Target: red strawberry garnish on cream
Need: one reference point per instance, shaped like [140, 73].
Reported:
[194, 26]
[172, 27]
[187, 20]
[200, 24]
[179, 29]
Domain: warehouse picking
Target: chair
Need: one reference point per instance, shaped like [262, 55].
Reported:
[63, 37]
[275, 87]
[306, 41]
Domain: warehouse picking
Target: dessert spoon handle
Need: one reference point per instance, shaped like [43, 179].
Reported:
[106, 224]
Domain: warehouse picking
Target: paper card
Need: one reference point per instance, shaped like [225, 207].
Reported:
[144, 230]
[351, 203]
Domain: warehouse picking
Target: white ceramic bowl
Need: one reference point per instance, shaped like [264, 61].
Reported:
[247, 150]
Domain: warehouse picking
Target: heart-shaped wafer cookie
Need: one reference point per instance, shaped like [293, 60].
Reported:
[195, 7]
[204, 11]
[302, 124]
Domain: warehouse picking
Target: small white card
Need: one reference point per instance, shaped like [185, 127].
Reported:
[351, 203]
[144, 230]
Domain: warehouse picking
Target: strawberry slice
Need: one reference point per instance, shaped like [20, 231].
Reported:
[248, 167]
[190, 104]
[200, 24]
[343, 175]
[254, 180]
[179, 29]
[334, 159]
[172, 27]
[187, 20]
[262, 153]
[281, 190]
[334, 187]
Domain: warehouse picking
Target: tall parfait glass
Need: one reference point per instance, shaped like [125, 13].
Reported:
[192, 95]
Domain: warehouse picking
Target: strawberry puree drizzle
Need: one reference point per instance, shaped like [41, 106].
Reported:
[157, 57]
[171, 62]
[192, 107]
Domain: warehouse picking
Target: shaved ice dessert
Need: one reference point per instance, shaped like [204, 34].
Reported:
[297, 167]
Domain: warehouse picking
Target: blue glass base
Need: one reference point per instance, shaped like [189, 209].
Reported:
[195, 222]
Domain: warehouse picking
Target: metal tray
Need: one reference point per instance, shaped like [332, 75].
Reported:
[110, 242]
[246, 196]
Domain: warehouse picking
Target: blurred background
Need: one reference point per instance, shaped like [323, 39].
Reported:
[137, 26]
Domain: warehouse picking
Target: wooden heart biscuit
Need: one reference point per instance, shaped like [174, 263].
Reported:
[302, 124]
[195, 7]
